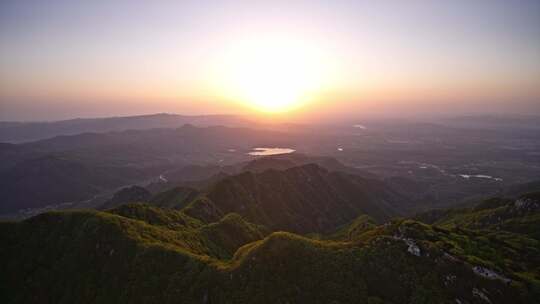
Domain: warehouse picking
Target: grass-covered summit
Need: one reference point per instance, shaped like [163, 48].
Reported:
[139, 253]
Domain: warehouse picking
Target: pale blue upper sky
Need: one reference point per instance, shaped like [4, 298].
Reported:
[60, 59]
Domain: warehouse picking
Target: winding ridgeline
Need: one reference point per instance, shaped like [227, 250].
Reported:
[299, 235]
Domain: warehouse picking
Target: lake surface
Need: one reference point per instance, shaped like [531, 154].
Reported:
[468, 176]
[359, 126]
[270, 151]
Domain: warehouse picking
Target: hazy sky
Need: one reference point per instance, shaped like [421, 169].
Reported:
[62, 59]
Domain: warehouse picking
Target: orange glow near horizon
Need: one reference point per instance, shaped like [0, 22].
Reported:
[268, 58]
[273, 75]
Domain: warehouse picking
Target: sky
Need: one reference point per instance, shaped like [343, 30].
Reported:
[316, 59]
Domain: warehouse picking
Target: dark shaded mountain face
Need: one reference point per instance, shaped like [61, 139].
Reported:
[201, 177]
[29, 131]
[516, 189]
[142, 254]
[128, 195]
[286, 161]
[304, 199]
[53, 180]
[194, 176]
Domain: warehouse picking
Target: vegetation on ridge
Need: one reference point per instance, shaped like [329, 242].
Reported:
[139, 253]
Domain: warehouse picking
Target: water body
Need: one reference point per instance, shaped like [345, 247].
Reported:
[270, 151]
[467, 176]
[359, 126]
[424, 166]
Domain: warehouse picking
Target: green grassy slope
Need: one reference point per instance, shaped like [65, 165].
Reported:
[143, 254]
[521, 215]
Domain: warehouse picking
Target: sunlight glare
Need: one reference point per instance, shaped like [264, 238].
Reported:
[273, 75]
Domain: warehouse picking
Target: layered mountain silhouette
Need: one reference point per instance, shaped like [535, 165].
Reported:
[28, 131]
[81, 166]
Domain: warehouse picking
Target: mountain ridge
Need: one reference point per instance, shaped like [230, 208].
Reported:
[105, 257]
[30, 131]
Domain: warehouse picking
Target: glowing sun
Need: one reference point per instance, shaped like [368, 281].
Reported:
[272, 74]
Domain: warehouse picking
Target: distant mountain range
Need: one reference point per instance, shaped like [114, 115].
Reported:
[16, 132]
[76, 167]
[496, 122]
